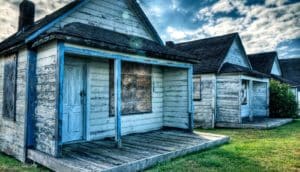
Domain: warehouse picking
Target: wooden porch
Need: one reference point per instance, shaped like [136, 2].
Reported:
[138, 152]
[257, 123]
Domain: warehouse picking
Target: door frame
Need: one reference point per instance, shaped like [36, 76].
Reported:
[84, 103]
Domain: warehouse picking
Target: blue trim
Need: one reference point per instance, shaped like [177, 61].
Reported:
[107, 55]
[190, 93]
[52, 23]
[118, 102]
[60, 81]
[31, 97]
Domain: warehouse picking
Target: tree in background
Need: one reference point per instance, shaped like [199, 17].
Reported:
[283, 102]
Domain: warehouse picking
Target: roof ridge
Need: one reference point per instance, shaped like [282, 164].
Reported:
[213, 37]
[262, 53]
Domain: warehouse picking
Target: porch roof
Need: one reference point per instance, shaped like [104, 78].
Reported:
[93, 36]
[232, 68]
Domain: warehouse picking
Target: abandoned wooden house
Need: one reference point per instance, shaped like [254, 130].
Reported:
[226, 89]
[94, 69]
[291, 71]
[268, 63]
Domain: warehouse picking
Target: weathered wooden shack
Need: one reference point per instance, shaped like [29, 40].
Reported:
[94, 69]
[291, 71]
[226, 89]
[268, 63]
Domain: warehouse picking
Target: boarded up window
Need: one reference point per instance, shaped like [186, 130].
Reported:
[136, 89]
[197, 88]
[9, 88]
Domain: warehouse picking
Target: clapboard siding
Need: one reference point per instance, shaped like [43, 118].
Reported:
[45, 112]
[236, 56]
[259, 100]
[101, 124]
[228, 103]
[12, 133]
[112, 15]
[175, 97]
[204, 109]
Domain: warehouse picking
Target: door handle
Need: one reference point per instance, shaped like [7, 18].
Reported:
[82, 93]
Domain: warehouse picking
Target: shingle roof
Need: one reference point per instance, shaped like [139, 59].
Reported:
[107, 39]
[263, 62]
[233, 68]
[18, 39]
[209, 52]
[291, 69]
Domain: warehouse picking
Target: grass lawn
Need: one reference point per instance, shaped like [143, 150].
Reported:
[249, 150]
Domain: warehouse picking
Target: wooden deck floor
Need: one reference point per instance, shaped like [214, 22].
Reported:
[260, 123]
[138, 152]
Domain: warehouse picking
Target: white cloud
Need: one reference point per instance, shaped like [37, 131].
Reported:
[175, 34]
[222, 6]
[261, 28]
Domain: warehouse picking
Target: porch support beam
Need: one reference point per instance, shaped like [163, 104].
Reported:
[110, 55]
[190, 99]
[31, 97]
[251, 99]
[118, 102]
[59, 99]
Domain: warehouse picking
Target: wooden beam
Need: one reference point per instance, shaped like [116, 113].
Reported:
[190, 105]
[59, 99]
[117, 87]
[31, 97]
[124, 57]
[251, 99]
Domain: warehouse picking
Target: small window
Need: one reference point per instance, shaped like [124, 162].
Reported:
[136, 89]
[9, 88]
[197, 89]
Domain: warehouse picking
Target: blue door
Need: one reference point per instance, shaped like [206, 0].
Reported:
[73, 118]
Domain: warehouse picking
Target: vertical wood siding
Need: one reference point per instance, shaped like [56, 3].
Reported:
[228, 99]
[112, 15]
[175, 98]
[235, 56]
[276, 68]
[12, 140]
[46, 107]
[205, 108]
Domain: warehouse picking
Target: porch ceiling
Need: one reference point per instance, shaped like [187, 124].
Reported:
[138, 152]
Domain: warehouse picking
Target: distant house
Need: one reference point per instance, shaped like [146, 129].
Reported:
[226, 88]
[91, 70]
[291, 71]
[268, 63]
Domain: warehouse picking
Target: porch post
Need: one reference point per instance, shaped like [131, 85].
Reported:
[118, 101]
[59, 98]
[190, 98]
[251, 100]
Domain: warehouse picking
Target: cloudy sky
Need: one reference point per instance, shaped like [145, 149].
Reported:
[264, 25]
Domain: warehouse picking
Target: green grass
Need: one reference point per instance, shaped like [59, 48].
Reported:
[249, 150]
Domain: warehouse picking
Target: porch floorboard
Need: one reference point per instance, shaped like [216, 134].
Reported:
[260, 123]
[138, 152]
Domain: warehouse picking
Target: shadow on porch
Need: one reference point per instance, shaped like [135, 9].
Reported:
[257, 123]
[138, 152]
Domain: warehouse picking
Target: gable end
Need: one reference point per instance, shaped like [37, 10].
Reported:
[236, 55]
